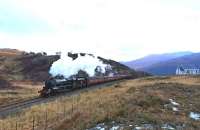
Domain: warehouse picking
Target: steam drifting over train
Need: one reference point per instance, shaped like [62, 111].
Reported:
[78, 71]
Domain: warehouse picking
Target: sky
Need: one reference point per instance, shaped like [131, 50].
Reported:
[117, 29]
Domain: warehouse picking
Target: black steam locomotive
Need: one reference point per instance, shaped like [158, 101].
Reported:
[61, 84]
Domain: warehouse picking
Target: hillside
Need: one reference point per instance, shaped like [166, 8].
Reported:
[169, 67]
[152, 103]
[147, 61]
[18, 65]
[10, 52]
[25, 66]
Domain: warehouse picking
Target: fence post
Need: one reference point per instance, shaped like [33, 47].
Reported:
[45, 127]
[16, 126]
[77, 100]
[57, 115]
[57, 110]
[72, 108]
[64, 111]
[37, 122]
[33, 128]
[3, 126]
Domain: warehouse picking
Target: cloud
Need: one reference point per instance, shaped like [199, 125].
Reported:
[120, 30]
[16, 21]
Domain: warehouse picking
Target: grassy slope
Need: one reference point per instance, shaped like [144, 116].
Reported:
[21, 75]
[130, 102]
[26, 67]
[18, 91]
[140, 101]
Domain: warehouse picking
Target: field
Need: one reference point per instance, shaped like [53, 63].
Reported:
[17, 91]
[146, 103]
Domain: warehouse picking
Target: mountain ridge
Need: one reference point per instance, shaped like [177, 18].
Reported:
[146, 61]
[169, 67]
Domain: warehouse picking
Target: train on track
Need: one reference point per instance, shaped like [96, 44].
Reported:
[60, 84]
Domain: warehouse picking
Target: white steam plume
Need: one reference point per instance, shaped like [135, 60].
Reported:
[66, 66]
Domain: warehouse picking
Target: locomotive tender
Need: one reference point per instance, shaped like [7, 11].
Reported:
[61, 84]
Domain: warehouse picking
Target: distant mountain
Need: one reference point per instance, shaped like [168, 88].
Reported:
[147, 61]
[169, 67]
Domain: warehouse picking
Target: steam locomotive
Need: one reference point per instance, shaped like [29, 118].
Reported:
[60, 84]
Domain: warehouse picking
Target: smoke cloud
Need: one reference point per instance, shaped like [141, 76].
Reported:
[67, 67]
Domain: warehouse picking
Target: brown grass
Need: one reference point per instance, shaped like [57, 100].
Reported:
[9, 52]
[137, 101]
[19, 90]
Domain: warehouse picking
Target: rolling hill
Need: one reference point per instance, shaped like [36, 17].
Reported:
[147, 61]
[169, 67]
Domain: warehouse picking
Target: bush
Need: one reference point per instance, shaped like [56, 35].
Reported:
[4, 83]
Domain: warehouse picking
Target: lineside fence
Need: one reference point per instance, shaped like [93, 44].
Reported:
[46, 120]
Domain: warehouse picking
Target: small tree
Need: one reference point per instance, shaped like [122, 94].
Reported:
[44, 53]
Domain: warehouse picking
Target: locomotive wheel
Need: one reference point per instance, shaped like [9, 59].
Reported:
[49, 92]
[86, 83]
[83, 84]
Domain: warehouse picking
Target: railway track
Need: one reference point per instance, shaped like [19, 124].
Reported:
[2, 107]
[16, 107]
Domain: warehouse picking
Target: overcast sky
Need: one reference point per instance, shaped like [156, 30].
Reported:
[117, 29]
